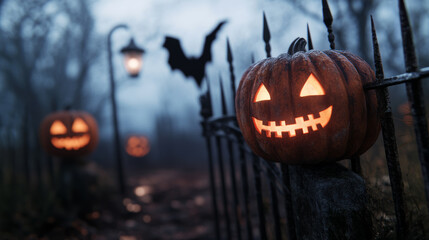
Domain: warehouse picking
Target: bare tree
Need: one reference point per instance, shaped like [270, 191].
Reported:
[46, 52]
[351, 27]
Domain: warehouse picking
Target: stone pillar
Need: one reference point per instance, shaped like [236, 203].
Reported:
[329, 202]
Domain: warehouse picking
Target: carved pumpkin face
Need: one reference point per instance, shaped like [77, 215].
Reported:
[311, 87]
[69, 133]
[308, 108]
[137, 146]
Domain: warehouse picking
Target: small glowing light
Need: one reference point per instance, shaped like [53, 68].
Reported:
[147, 218]
[133, 63]
[133, 208]
[140, 191]
[262, 94]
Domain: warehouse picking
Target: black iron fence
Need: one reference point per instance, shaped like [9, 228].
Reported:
[240, 179]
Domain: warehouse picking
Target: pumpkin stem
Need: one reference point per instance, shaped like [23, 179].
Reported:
[298, 45]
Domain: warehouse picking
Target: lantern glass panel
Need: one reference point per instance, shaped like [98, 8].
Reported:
[133, 63]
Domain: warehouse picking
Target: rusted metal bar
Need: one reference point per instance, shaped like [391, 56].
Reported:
[243, 163]
[266, 36]
[236, 205]
[222, 98]
[328, 19]
[206, 112]
[310, 42]
[415, 97]
[259, 198]
[246, 194]
[390, 146]
[399, 79]
[274, 198]
[222, 174]
[290, 217]
[275, 204]
[223, 186]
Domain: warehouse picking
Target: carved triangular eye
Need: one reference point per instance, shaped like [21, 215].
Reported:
[79, 126]
[312, 87]
[58, 128]
[262, 94]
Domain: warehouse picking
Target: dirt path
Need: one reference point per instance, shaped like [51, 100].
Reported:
[164, 204]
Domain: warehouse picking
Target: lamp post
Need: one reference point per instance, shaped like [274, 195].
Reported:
[133, 63]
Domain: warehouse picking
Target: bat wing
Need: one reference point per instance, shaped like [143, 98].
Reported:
[206, 56]
[176, 58]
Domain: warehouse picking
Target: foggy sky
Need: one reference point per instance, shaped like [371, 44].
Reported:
[158, 88]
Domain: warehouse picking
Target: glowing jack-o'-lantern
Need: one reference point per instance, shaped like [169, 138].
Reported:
[69, 133]
[308, 107]
[137, 146]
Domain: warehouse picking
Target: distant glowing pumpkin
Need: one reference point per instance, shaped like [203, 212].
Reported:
[69, 133]
[308, 107]
[137, 146]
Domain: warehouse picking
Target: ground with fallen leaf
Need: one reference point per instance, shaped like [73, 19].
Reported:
[160, 204]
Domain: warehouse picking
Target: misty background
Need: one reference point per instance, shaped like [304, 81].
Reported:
[53, 54]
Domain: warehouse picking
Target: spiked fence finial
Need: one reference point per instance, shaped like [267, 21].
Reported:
[328, 19]
[407, 39]
[267, 36]
[310, 42]
[231, 70]
[222, 95]
[415, 96]
[228, 51]
[379, 72]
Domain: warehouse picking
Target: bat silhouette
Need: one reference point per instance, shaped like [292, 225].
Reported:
[192, 66]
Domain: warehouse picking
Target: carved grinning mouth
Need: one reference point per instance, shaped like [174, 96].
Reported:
[71, 143]
[300, 123]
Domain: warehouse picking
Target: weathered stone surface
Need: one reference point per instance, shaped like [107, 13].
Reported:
[329, 203]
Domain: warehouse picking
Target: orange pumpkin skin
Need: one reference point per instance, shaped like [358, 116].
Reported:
[69, 134]
[137, 146]
[349, 125]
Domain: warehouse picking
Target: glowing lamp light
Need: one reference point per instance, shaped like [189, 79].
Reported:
[132, 58]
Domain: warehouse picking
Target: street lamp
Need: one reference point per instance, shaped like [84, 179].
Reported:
[132, 58]
[133, 64]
